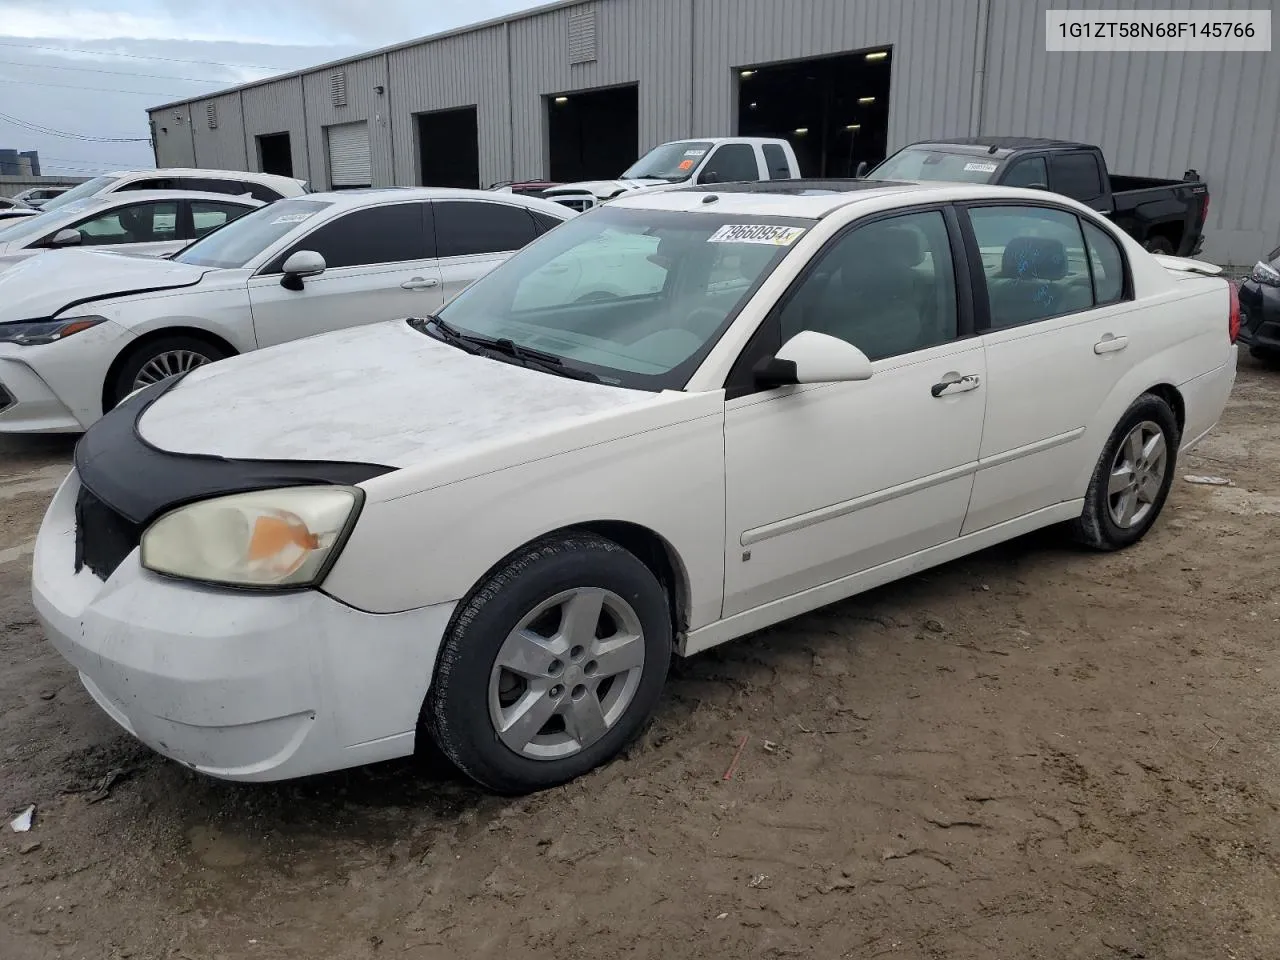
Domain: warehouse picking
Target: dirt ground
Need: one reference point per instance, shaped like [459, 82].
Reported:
[1031, 753]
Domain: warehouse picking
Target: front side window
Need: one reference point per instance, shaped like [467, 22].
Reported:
[1031, 173]
[392, 233]
[138, 223]
[887, 287]
[468, 228]
[251, 235]
[637, 297]
[209, 215]
[1034, 262]
[670, 161]
[732, 163]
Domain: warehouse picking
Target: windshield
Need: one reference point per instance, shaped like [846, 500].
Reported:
[87, 189]
[636, 297]
[232, 246]
[920, 163]
[670, 161]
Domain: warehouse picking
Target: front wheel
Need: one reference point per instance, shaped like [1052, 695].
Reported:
[1132, 478]
[552, 666]
[158, 360]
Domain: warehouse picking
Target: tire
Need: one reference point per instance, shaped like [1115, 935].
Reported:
[178, 353]
[474, 695]
[1270, 357]
[1159, 245]
[1101, 525]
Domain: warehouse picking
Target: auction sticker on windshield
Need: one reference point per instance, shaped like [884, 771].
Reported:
[756, 233]
[292, 218]
[980, 167]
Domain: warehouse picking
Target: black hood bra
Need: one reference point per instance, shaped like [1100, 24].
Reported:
[140, 482]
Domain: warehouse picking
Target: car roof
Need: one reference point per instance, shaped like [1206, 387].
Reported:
[1000, 146]
[263, 178]
[811, 199]
[368, 196]
[125, 197]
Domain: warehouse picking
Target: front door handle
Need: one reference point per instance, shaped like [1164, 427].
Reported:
[955, 383]
[1110, 344]
[420, 283]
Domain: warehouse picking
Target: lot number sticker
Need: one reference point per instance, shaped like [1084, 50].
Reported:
[981, 167]
[756, 233]
[291, 218]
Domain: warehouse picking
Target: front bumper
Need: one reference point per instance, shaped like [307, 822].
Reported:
[237, 685]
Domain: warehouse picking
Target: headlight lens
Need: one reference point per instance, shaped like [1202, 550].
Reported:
[30, 332]
[269, 538]
[1265, 273]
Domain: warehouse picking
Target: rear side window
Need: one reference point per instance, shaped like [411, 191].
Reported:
[388, 234]
[467, 228]
[152, 183]
[1107, 261]
[775, 158]
[209, 215]
[1076, 175]
[731, 163]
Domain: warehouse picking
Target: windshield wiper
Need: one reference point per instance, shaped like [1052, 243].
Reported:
[503, 347]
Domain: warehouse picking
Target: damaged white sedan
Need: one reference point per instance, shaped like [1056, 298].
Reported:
[672, 421]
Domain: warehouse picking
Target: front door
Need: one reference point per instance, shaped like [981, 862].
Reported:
[1057, 342]
[825, 481]
[378, 266]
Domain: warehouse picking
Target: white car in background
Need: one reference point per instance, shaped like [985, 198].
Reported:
[37, 197]
[494, 527]
[153, 224]
[82, 329]
[260, 186]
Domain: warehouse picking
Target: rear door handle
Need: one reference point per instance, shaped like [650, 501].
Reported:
[1110, 344]
[420, 283]
[955, 383]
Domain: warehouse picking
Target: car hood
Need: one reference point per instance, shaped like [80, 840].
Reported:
[56, 280]
[383, 394]
[601, 188]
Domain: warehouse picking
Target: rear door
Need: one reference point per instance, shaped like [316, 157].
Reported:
[379, 266]
[474, 236]
[1057, 319]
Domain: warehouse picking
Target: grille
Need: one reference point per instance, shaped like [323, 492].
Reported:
[6, 398]
[103, 538]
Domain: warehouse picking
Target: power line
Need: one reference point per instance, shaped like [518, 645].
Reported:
[114, 73]
[50, 131]
[74, 86]
[136, 56]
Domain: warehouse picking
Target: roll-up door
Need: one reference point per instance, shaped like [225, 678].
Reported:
[349, 162]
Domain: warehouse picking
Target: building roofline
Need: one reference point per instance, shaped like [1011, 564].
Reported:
[380, 51]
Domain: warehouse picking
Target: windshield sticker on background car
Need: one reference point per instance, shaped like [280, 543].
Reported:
[292, 218]
[980, 167]
[686, 164]
[695, 153]
[756, 233]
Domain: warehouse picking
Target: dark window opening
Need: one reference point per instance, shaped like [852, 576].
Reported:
[470, 227]
[275, 154]
[393, 233]
[593, 135]
[833, 110]
[449, 148]
[1076, 175]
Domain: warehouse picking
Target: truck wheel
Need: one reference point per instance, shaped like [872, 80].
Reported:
[1132, 479]
[1159, 245]
[552, 666]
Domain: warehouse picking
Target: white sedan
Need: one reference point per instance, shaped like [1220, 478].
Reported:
[80, 330]
[495, 526]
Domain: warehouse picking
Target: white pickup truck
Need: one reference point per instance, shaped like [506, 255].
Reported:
[705, 160]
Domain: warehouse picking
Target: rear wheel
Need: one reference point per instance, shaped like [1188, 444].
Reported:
[158, 360]
[1132, 478]
[552, 666]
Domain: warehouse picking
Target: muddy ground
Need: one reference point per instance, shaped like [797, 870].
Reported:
[1034, 752]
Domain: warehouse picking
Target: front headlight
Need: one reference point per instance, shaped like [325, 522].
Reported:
[1266, 274]
[31, 332]
[269, 538]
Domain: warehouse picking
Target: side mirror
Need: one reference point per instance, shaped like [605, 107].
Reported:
[66, 238]
[861, 170]
[709, 177]
[811, 357]
[303, 263]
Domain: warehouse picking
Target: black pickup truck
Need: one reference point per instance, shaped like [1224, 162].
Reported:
[1165, 216]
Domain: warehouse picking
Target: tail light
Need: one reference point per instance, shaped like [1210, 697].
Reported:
[1204, 210]
[1233, 321]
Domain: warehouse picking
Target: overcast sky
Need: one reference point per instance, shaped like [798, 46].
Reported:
[92, 67]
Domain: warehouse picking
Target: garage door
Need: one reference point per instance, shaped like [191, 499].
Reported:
[349, 163]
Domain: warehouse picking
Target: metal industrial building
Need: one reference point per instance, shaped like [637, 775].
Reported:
[576, 89]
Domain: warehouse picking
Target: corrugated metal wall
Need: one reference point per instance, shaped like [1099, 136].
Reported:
[459, 71]
[637, 41]
[1153, 114]
[933, 54]
[276, 108]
